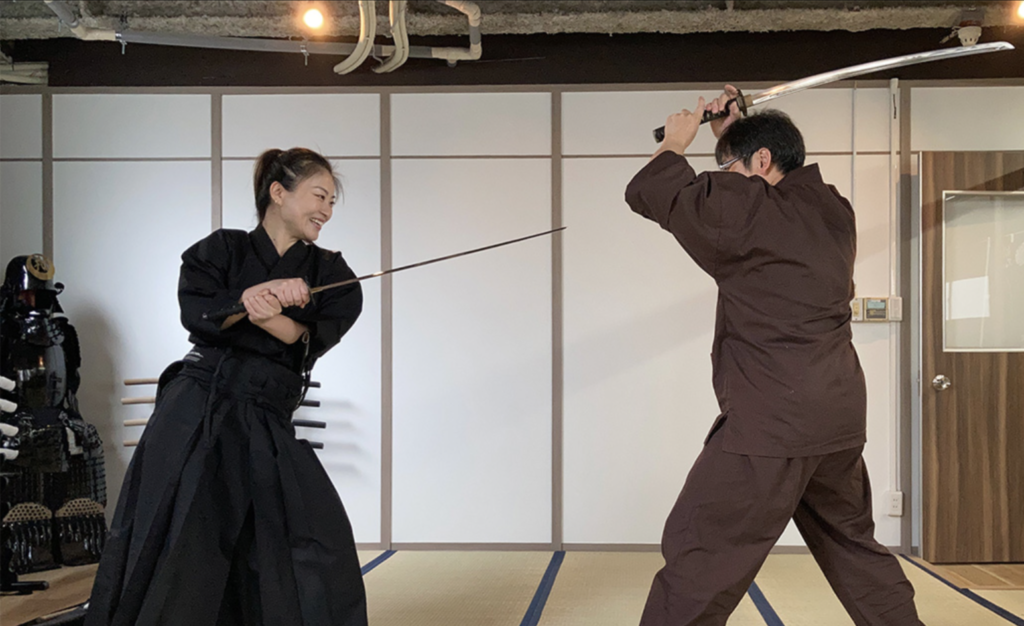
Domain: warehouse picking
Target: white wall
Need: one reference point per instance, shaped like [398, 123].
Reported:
[21, 182]
[332, 124]
[21, 209]
[21, 126]
[118, 253]
[472, 353]
[119, 228]
[472, 338]
[465, 124]
[966, 118]
[125, 126]
[639, 319]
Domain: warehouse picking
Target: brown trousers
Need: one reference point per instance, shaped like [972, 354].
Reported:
[732, 510]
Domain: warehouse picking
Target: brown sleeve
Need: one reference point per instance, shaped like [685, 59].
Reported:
[700, 211]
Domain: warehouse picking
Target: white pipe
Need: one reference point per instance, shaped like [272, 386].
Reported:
[25, 67]
[469, 9]
[894, 180]
[32, 78]
[358, 51]
[85, 33]
[367, 31]
[24, 73]
[895, 389]
[396, 11]
[475, 50]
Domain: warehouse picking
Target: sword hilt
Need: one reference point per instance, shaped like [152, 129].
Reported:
[223, 314]
[740, 100]
[235, 309]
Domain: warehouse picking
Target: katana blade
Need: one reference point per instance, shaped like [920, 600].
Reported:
[785, 89]
[437, 260]
[216, 316]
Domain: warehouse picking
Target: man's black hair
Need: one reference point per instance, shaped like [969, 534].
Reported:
[770, 129]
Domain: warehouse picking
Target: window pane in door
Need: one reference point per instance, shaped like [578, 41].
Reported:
[983, 271]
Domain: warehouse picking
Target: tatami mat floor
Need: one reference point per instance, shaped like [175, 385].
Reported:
[454, 588]
[609, 589]
[1011, 600]
[409, 588]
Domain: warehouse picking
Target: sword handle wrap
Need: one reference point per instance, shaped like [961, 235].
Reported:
[740, 100]
[235, 309]
[223, 314]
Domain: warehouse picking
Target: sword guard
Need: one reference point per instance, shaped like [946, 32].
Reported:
[740, 100]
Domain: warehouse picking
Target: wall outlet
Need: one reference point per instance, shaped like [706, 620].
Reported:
[895, 504]
[857, 310]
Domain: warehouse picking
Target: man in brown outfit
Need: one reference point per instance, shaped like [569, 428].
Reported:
[780, 244]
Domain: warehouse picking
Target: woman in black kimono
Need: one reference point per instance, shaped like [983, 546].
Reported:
[225, 517]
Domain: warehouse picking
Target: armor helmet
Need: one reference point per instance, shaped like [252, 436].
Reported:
[28, 284]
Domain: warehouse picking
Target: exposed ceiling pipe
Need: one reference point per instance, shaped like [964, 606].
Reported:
[367, 31]
[221, 43]
[359, 50]
[396, 11]
[475, 50]
[24, 73]
[67, 17]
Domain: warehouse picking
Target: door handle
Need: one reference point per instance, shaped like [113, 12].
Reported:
[941, 383]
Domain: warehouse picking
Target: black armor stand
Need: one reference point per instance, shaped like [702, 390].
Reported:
[9, 580]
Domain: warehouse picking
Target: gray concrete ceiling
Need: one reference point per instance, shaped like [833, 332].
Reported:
[31, 19]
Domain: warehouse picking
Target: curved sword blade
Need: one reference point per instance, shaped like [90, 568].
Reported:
[818, 80]
[874, 66]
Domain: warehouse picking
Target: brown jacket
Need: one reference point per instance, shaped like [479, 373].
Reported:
[786, 374]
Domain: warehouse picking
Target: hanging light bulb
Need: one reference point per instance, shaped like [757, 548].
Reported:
[1020, 10]
[313, 18]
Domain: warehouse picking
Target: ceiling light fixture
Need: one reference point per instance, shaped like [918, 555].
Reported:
[313, 18]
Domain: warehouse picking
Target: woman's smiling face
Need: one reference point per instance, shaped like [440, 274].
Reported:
[306, 209]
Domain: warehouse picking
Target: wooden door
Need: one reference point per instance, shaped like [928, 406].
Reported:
[973, 335]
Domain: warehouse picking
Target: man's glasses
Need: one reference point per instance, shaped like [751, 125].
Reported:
[725, 166]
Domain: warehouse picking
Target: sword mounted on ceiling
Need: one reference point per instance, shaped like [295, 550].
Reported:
[744, 102]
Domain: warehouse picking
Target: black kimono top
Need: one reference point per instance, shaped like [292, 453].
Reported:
[216, 270]
[786, 374]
